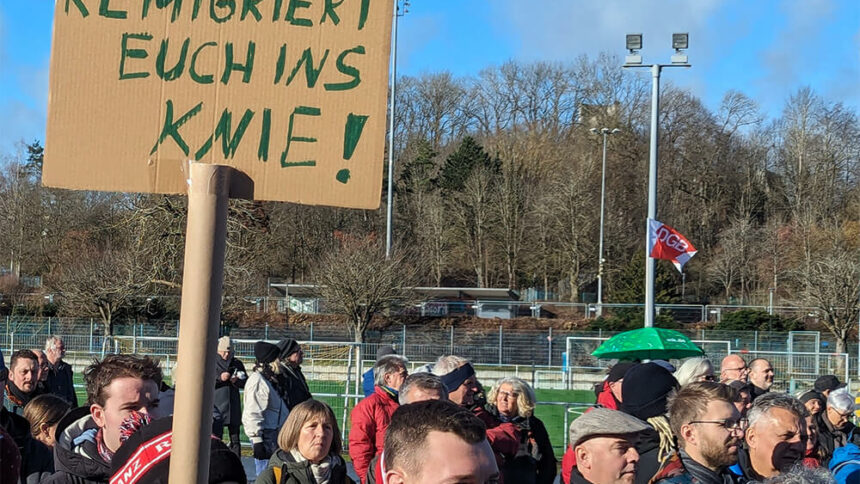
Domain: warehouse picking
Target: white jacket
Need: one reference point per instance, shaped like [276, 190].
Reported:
[264, 409]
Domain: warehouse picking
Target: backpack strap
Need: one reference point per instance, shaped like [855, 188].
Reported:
[278, 470]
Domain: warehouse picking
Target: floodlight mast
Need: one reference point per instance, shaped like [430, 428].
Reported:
[680, 42]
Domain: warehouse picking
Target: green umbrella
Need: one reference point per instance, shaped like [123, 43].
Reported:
[648, 343]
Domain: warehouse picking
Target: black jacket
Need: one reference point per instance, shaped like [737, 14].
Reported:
[76, 457]
[535, 463]
[829, 438]
[293, 472]
[36, 460]
[743, 470]
[61, 382]
[648, 447]
[227, 393]
[295, 387]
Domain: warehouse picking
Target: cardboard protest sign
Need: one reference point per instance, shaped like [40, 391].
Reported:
[292, 93]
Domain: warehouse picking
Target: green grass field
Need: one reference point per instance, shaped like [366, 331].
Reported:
[552, 415]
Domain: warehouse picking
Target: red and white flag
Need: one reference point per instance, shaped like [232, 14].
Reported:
[664, 242]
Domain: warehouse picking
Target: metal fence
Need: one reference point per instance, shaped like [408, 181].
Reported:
[548, 359]
[497, 344]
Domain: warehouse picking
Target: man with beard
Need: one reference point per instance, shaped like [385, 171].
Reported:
[230, 376]
[709, 429]
[761, 377]
[23, 380]
[775, 440]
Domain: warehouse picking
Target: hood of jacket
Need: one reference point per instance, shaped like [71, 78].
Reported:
[75, 451]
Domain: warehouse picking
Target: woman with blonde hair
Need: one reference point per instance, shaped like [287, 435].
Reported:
[695, 369]
[44, 413]
[513, 400]
[309, 449]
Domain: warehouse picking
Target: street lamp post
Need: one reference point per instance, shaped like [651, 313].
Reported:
[404, 4]
[606, 132]
[634, 44]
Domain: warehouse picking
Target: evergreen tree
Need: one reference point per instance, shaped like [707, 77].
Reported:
[461, 163]
[418, 171]
[35, 157]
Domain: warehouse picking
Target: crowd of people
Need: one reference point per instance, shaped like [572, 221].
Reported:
[652, 424]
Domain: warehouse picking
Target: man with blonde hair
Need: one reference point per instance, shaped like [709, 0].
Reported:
[709, 429]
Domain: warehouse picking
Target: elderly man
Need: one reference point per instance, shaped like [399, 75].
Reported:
[230, 376]
[419, 387]
[370, 418]
[603, 442]
[435, 441]
[459, 378]
[709, 430]
[776, 438]
[21, 387]
[733, 367]
[761, 377]
[834, 424]
[60, 381]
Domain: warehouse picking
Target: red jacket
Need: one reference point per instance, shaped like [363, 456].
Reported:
[504, 437]
[370, 419]
[606, 400]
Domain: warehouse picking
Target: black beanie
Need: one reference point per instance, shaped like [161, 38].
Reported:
[145, 458]
[265, 352]
[618, 371]
[286, 347]
[645, 390]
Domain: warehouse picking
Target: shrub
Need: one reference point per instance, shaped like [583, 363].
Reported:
[756, 320]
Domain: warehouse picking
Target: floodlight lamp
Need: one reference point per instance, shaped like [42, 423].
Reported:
[616, 130]
[605, 130]
[593, 130]
[680, 41]
[634, 42]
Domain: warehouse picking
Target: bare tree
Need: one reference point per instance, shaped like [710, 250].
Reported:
[358, 282]
[834, 288]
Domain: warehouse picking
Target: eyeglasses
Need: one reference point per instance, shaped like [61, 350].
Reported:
[729, 425]
[505, 394]
[743, 368]
[708, 378]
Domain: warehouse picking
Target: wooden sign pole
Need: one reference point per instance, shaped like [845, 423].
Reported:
[202, 280]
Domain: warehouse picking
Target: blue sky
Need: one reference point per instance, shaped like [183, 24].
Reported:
[764, 48]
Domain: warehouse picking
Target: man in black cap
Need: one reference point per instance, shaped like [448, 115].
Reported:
[291, 356]
[826, 384]
[611, 395]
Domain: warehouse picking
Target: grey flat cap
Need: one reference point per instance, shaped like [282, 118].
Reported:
[604, 422]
